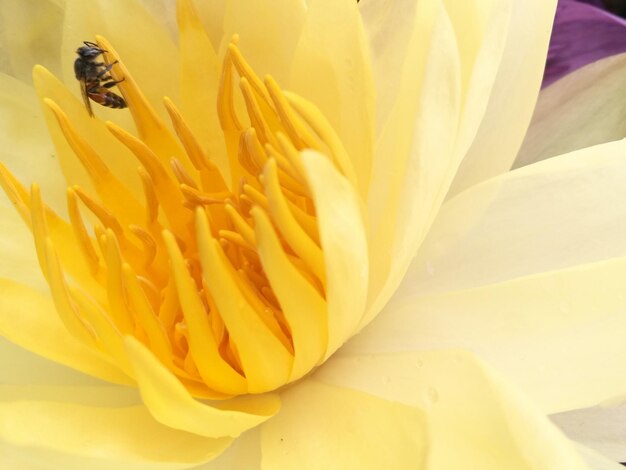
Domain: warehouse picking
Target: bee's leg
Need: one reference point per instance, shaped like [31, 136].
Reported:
[112, 83]
[105, 70]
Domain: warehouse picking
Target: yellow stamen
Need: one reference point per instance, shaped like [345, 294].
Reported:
[207, 274]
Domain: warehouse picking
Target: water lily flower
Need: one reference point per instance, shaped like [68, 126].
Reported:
[260, 270]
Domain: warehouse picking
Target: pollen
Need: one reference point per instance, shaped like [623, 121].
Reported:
[206, 270]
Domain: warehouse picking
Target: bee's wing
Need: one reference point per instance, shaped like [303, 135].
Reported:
[83, 91]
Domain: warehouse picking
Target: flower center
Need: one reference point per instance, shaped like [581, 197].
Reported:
[224, 282]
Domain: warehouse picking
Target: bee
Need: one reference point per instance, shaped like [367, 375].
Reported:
[95, 78]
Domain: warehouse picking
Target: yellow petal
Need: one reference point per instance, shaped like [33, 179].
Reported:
[578, 111]
[323, 426]
[268, 33]
[303, 306]
[199, 77]
[344, 245]
[171, 404]
[27, 149]
[19, 260]
[244, 453]
[30, 34]
[212, 16]
[99, 394]
[71, 436]
[19, 366]
[148, 52]
[473, 416]
[29, 319]
[331, 69]
[548, 333]
[408, 184]
[508, 114]
[557, 213]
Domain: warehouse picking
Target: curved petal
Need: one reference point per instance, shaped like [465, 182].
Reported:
[473, 416]
[578, 111]
[408, 184]
[70, 436]
[29, 319]
[171, 404]
[344, 245]
[557, 213]
[323, 426]
[507, 116]
[547, 333]
[331, 69]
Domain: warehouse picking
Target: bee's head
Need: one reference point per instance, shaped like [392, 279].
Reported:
[89, 50]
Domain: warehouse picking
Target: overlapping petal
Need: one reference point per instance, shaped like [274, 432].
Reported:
[578, 111]
[545, 330]
[471, 415]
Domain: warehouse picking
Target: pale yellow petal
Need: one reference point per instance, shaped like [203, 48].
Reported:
[212, 16]
[302, 305]
[597, 461]
[389, 25]
[164, 12]
[29, 319]
[244, 453]
[27, 150]
[557, 213]
[331, 69]
[144, 45]
[582, 109]
[30, 34]
[474, 418]
[99, 394]
[342, 236]
[268, 33]
[70, 436]
[508, 113]
[19, 366]
[557, 335]
[171, 404]
[408, 184]
[199, 80]
[324, 426]
[481, 28]
[19, 259]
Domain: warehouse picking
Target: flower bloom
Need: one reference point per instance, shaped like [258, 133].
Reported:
[271, 221]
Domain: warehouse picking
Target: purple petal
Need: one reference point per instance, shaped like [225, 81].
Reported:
[582, 34]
